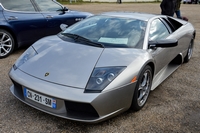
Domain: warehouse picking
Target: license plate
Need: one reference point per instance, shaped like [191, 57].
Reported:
[44, 100]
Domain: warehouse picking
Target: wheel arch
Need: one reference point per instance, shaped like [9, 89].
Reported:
[12, 33]
[152, 65]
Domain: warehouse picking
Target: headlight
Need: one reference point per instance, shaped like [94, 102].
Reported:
[102, 77]
[29, 53]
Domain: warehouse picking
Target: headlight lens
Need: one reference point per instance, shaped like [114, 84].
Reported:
[29, 53]
[102, 77]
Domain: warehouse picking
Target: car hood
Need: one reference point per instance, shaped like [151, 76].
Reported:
[62, 62]
[72, 64]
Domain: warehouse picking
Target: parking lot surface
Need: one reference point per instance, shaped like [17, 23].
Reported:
[173, 107]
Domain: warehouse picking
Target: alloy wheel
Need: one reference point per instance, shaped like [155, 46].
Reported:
[6, 44]
[144, 88]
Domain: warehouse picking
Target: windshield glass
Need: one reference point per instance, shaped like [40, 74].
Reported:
[111, 31]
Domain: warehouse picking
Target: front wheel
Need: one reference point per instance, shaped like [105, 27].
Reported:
[6, 44]
[189, 53]
[142, 89]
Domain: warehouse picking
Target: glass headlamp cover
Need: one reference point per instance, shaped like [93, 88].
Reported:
[29, 53]
[102, 77]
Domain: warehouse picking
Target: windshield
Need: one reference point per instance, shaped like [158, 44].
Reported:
[110, 31]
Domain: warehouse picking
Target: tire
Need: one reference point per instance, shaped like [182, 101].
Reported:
[189, 52]
[6, 43]
[142, 89]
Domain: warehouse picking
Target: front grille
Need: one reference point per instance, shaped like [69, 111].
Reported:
[81, 110]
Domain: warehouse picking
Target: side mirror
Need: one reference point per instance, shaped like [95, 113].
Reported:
[63, 27]
[163, 43]
[65, 8]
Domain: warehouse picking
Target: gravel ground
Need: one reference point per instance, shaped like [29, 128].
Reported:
[173, 107]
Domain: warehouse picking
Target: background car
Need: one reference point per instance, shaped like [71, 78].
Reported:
[190, 1]
[25, 21]
[101, 66]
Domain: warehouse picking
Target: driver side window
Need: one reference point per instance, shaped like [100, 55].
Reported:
[48, 5]
[158, 30]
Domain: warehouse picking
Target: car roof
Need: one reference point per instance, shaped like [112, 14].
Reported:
[135, 15]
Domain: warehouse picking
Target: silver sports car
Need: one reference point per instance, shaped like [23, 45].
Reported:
[101, 66]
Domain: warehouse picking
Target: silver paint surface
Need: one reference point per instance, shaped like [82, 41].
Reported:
[70, 65]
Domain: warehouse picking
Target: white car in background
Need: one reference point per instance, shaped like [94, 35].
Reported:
[191, 1]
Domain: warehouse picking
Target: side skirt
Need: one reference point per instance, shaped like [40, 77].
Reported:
[163, 74]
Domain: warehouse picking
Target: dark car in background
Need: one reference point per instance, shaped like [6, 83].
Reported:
[22, 22]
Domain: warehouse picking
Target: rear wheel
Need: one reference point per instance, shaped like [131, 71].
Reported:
[142, 89]
[6, 43]
[189, 53]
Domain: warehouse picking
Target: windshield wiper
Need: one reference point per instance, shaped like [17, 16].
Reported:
[70, 35]
[83, 39]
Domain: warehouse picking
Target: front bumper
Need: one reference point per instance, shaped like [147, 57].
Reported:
[73, 103]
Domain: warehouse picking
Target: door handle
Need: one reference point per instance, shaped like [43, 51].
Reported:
[12, 18]
[49, 16]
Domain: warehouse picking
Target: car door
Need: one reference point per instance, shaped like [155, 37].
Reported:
[55, 15]
[28, 24]
[162, 56]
